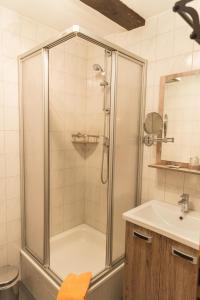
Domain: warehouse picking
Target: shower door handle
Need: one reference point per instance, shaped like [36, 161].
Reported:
[146, 238]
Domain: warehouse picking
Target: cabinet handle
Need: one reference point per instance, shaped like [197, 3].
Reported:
[142, 236]
[190, 258]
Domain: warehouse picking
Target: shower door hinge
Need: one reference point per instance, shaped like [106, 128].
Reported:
[108, 52]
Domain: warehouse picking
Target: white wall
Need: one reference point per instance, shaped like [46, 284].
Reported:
[17, 34]
[165, 42]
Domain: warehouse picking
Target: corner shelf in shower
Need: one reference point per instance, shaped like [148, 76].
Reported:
[167, 167]
[85, 139]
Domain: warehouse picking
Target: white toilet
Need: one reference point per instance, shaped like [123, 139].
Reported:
[9, 283]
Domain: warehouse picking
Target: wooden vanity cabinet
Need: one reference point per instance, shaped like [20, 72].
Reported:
[152, 272]
[142, 264]
[178, 275]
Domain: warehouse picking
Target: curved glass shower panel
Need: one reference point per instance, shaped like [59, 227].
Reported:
[126, 146]
[78, 198]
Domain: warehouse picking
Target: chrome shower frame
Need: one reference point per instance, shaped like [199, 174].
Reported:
[116, 51]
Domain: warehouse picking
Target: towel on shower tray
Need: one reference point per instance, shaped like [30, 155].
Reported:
[74, 287]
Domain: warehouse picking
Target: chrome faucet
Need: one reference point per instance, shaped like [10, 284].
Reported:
[184, 202]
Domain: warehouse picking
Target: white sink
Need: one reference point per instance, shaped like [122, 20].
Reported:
[164, 218]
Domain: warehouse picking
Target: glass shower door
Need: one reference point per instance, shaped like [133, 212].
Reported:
[34, 158]
[78, 198]
[128, 103]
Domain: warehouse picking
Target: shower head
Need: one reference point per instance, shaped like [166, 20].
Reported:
[97, 68]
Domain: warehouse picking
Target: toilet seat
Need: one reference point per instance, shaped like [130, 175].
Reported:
[8, 275]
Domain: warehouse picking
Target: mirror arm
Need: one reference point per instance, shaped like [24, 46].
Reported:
[165, 125]
[164, 140]
[149, 140]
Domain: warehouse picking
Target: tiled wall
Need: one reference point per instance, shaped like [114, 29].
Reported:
[17, 34]
[76, 103]
[165, 42]
[95, 191]
[67, 116]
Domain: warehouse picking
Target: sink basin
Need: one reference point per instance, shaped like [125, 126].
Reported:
[164, 218]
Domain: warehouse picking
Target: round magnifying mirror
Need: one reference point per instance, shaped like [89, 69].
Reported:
[153, 123]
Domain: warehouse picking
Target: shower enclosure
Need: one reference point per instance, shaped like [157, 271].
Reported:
[81, 116]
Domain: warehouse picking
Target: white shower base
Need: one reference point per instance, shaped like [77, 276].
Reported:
[81, 249]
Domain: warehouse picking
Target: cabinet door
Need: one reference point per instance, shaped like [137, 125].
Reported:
[142, 264]
[179, 272]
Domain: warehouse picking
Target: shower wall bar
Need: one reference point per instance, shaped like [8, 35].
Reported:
[116, 52]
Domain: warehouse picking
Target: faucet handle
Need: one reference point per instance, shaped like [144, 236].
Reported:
[184, 198]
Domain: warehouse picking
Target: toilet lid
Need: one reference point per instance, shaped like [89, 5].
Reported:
[8, 274]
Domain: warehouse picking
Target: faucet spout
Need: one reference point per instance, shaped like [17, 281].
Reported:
[184, 202]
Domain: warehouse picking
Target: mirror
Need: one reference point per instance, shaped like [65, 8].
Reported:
[180, 102]
[153, 123]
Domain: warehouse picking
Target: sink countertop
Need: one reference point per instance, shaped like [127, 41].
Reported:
[164, 218]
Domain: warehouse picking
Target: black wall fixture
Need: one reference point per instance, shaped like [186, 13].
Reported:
[191, 16]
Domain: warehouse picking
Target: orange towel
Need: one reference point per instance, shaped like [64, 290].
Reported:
[74, 287]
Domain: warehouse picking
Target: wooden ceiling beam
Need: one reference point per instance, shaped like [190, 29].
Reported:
[118, 12]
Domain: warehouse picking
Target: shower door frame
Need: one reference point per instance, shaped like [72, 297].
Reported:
[77, 31]
[44, 54]
[114, 96]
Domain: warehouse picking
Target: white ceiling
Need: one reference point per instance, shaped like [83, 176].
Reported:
[61, 14]
[149, 8]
